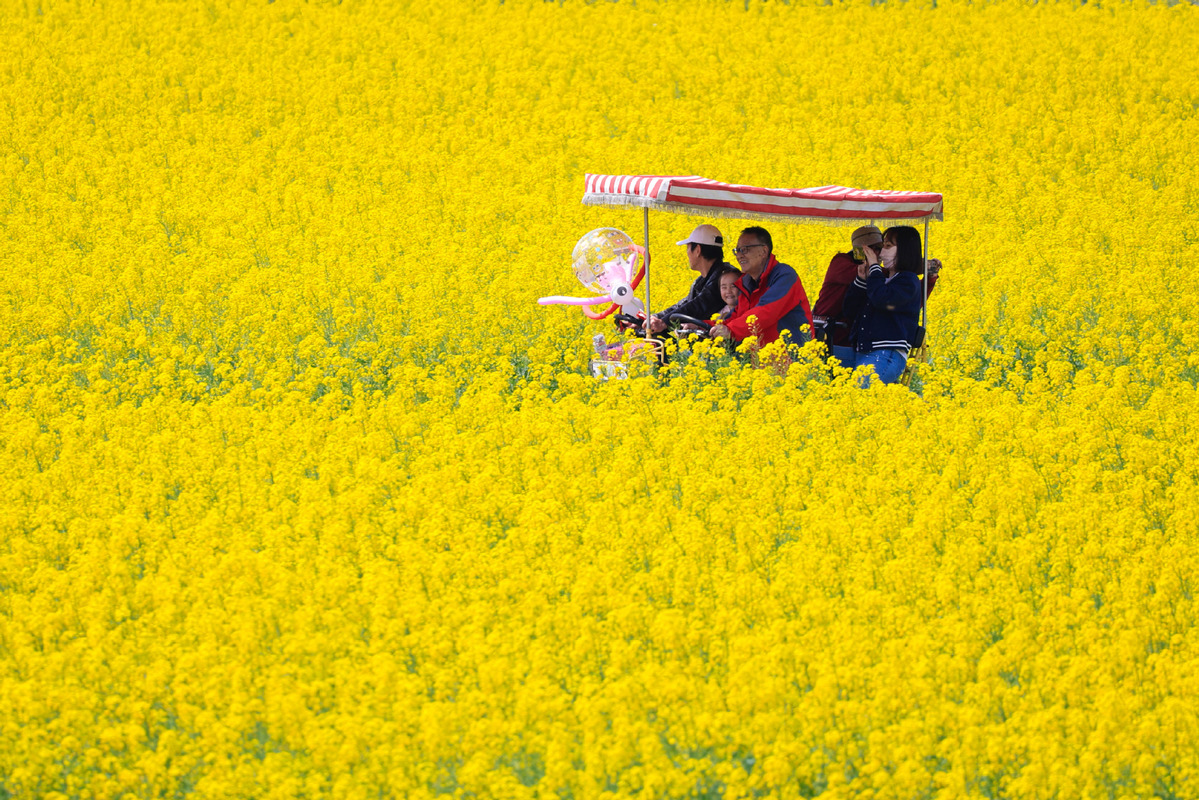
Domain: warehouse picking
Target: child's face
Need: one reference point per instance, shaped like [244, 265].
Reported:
[728, 288]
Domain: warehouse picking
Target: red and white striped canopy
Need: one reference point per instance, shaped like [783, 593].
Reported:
[695, 195]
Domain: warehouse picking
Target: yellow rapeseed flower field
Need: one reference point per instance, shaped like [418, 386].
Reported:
[302, 495]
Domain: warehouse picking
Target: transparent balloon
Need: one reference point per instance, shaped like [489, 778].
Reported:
[596, 253]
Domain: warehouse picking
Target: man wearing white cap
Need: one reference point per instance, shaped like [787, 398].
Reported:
[705, 255]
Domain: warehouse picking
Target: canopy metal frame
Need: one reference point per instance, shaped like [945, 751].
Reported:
[824, 205]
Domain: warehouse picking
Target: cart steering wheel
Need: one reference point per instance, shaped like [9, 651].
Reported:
[686, 320]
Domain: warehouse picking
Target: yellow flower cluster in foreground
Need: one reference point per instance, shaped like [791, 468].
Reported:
[301, 495]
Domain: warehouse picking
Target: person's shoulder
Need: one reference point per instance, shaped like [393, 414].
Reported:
[714, 274]
[842, 265]
[781, 269]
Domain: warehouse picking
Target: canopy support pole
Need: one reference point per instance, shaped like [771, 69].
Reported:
[924, 308]
[645, 218]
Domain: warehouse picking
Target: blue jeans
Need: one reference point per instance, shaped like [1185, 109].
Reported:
[888, 364]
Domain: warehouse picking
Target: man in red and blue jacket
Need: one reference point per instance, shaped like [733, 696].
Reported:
[769, 291]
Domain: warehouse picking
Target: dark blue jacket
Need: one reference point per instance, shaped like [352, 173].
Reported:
[885, 313]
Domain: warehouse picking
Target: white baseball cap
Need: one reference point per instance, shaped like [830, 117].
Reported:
[705, 234]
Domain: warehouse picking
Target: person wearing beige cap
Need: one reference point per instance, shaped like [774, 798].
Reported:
[842, 271]
[705, 255]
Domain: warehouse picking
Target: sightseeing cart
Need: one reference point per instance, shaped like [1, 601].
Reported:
[696, 196]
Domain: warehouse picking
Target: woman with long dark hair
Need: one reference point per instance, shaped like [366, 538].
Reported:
[884, 304]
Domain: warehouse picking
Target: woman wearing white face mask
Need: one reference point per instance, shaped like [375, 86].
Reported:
[884, 302]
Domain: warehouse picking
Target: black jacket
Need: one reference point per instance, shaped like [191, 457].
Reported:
[704, 298]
